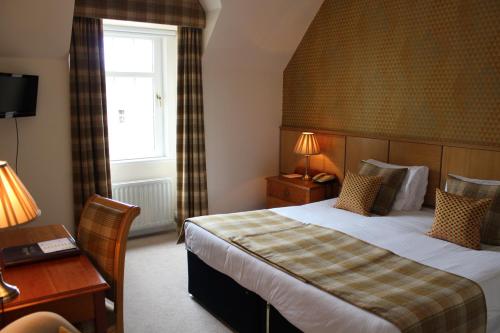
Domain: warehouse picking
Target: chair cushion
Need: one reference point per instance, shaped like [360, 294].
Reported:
[40, 322]
[391, 184]
[358, 193]
[97, 235]
[458, 219]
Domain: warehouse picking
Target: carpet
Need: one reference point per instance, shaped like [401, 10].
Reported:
[156, 296]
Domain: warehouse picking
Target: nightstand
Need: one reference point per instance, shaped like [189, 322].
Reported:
[283, 191]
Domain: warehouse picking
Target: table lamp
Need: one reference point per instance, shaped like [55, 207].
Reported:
[307, 145]
[16, 207]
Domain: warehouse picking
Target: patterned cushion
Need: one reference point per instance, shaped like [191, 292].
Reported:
[391, 183]
[458, 219]
[358, 193]
[97, 234]
[490, 228]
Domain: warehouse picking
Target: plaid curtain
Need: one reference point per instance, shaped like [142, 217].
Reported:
[186, 13]
[191, 171]
[89, 132]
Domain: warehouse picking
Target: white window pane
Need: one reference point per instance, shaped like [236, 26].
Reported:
[143, 55]
[131, 117]
[126, 54]
[139, 120]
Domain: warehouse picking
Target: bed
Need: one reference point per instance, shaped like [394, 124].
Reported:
[252, 296]
[312, 310]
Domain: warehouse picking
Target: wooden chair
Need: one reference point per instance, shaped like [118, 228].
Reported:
[102, 235]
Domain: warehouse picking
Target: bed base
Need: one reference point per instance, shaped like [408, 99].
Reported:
[242, 310]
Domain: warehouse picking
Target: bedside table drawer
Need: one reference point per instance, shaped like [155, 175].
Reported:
[287, 193]
[273, 202]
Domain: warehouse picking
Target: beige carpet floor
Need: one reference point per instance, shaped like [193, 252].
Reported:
[156, 296]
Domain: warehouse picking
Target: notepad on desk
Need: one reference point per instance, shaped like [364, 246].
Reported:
[55, 245]
[52, 249]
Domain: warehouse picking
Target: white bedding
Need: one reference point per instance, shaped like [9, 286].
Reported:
[313, 310]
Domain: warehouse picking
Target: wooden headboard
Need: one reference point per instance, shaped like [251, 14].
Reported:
[341, 152]
[472, 163]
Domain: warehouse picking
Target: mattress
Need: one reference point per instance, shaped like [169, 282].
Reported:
[313, 310]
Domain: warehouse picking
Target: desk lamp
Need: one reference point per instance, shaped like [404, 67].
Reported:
[16, 207]
[307, 145]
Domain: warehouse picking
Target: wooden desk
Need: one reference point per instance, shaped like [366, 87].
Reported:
[71, 286]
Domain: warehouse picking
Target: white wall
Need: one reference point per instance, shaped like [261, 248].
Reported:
[34, 28]
[34, 39]
[45, 140]
[250, 44]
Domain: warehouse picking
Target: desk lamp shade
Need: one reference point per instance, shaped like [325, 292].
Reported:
[16, 207]
[307, 145]
[16, 204]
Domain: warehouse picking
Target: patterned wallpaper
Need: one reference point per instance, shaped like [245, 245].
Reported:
[426, 70]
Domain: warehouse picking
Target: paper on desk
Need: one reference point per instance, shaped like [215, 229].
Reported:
[55, 245]
[292, 175]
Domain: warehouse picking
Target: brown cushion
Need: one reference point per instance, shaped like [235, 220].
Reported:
[391, 183]
[358, 193]
[97, 236]
[458, 219]
[490, 228]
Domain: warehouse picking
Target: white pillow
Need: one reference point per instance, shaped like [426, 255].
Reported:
[475, 181]
[412, 192]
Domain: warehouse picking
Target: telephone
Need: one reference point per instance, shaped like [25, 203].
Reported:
[323, 177]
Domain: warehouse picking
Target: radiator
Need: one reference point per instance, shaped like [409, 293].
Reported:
[156, 197]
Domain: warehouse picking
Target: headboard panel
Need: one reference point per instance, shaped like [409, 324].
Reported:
[332, 155]
[409, 153]
[344, 151]
[472, 163]
[358, 149]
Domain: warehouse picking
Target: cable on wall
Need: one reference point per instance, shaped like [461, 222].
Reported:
[17, 143]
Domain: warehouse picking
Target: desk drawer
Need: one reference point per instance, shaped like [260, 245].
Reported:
[287, 192]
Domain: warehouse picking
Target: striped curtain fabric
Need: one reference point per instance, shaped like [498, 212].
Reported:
[191, 171]
[89, 133]
[186, 13]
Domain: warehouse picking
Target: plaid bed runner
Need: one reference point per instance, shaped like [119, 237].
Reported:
[253, 222]
[412, 296]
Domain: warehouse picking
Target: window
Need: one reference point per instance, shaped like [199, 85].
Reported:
[141, 91]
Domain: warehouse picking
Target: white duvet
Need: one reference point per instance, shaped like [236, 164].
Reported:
[313, 310]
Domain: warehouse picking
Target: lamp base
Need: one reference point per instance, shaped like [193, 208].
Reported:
[7, 291]
[306, 176]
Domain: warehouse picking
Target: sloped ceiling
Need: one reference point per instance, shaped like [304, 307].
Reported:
[259, 33]
[35, 28]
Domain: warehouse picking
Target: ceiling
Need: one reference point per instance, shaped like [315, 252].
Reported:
[34, 28]
[257, 33]
[42, 29]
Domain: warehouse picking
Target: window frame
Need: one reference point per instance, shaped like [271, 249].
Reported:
[162, 117]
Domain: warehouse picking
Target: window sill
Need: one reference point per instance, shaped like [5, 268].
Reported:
[143, 160]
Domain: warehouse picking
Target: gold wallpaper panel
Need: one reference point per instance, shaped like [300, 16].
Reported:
[426, 70]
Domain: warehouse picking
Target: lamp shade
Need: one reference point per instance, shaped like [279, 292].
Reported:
[16, 204]
[307, 144]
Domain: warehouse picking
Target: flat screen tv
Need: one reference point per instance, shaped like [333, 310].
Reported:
[18, 95]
